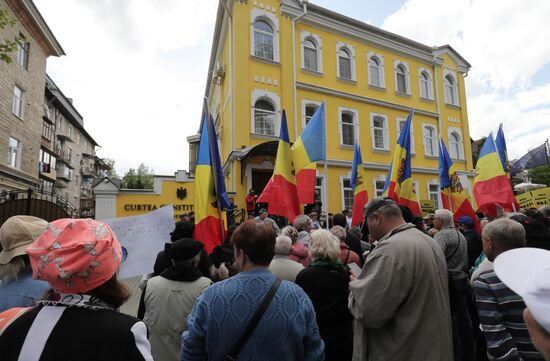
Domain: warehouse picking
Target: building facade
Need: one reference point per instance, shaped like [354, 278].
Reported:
[273, 55]
[22, 96]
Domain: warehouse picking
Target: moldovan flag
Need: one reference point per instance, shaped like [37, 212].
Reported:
[357, 182]
[310, 147]
[491, 185]
[399, 185]
[207, 217]
[500, 142]
[280, 192]
[453, 196]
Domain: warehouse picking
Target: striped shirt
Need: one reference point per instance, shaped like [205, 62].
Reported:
[501, 316]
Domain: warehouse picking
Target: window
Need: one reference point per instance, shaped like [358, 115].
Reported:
[309, 111]
[379, 187]
[264, 118]
[347, 126]
[451, 91]
[78, 138]
[69, 154]
[374, 71]
[430, 141]
[344, 64]
[310, 55]
[47, 130]
[14, 152]
[434, 193]
[70, 131]
[456, 146]
[17, 107]
[263, 40]
[425, 85]
[23, 54]
[401, 78]
[45, 186]
[61, 122]
[379, 131]
[400, 124]
[347, 194]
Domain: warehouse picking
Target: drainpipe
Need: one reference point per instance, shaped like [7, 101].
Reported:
[436, 93]
[304, 3]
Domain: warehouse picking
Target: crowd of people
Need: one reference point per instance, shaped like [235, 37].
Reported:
[400, 287]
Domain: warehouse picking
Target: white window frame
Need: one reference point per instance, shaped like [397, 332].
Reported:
[78, 138]
[70, 131]
[23, 54]
[379, 178]
[435, 147]
[385, 129]
[381, 72]
[259, 94]
[271, 19]
[398, 131]
[355, 114]
[344, 189]
[405, 65]
[455, 99]
[435, 183]
[306, 102]
[18, 105]
[351, 50]
[17, 151]
[316, 39]
[460, 155]
[421, 71]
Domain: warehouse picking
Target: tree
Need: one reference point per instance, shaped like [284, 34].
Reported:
[476, 148]
[8, 46]
[540, 175]
[111, 172]
[142, 178]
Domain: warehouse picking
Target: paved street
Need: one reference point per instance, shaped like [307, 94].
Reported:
[131, 306]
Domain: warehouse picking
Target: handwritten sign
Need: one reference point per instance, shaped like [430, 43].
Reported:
[427, 206]
[525, 200]
[534, 198]
[142, 237]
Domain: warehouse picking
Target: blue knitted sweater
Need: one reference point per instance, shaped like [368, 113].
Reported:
[287, 331]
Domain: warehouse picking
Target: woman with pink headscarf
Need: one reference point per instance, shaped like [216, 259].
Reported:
[78, 320]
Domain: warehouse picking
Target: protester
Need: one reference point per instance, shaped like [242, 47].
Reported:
[298, 252]
[526, 272]
[419, 224]
[79, 259]
[303, 225]
[168, 299]
[281, 266]
[353, 242]
[349, 216]
[473, 239]
[326, 283]
[346, 255]
[223, 262]
[315, 220]
[263, 217]
[230, 212]
[455, 248]
[286, 331]
[499, 308]
[251, 203]
[394, 320]
[17, 288]
[429, 221]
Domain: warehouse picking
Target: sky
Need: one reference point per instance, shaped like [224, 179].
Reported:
[136, 69]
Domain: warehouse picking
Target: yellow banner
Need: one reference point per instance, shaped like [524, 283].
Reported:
[525, 200]
[535, 198]
[427, 206]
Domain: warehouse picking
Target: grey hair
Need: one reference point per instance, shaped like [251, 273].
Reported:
[545, 210]
[283, 245]
[324, 245]
[339, 232]
[385, 206]
[506, 233]
[446, 217]
[291, 232]
[301, 221]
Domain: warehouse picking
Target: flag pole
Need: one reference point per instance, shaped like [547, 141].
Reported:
[325, 166]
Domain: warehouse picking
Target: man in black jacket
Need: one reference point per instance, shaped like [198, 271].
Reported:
[473, 239]
[353, 242]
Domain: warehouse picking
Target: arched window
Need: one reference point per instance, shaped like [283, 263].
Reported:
[264, 117]
[344, 63]
[310, 55]
[424, 85]
[450, 90]
[309, 111]
[430, 141]
[374, 71]
[347, 128]
[401, 77]
[455, 145]
[263, 40]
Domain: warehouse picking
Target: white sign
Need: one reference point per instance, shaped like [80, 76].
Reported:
[142, 238]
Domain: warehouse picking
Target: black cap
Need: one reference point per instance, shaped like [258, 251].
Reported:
[183, 249]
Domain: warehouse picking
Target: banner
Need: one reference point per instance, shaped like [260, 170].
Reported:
[525, 200]
[534, 198]
[142, 238]
[427, 206]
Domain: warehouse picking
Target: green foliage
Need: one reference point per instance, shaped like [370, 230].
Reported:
[8, 46]
[142, 178]
[540, 175]
[111, 173]
[476, 148]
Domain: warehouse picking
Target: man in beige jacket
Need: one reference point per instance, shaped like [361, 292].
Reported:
[400, 299]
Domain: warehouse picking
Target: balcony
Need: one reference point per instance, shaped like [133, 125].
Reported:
[85, 193]
[61, 183]
[63, 156]
[87, 171]
[64, 138]
[45, 169]
[64, 173]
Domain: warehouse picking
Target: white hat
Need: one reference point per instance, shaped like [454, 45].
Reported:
[526, 271]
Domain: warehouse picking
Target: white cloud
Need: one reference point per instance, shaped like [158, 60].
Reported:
[136, 70]
[507, 44]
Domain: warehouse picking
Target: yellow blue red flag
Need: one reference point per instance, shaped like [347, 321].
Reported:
[359, 186]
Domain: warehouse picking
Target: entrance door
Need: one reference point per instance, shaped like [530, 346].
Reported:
[260, 177]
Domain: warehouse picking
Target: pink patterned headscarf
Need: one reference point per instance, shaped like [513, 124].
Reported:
[75, 255]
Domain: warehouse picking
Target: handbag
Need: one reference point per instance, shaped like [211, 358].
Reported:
[253, 322]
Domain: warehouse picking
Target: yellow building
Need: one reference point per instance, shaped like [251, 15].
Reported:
[274, 55]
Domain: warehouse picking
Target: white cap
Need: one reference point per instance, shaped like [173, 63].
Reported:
[526, 271]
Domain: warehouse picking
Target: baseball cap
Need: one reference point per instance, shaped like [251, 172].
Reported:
[17, 233]
[526, 271]
[466, 220]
